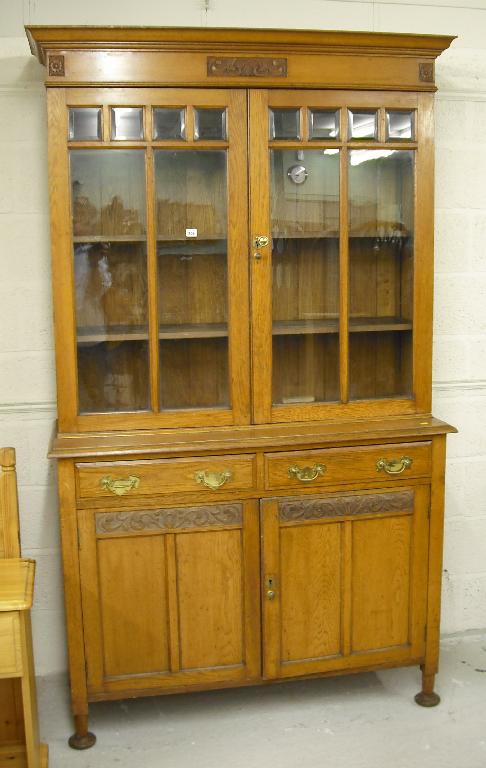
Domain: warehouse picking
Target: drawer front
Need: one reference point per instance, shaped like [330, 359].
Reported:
[297, 469]
[10, 656]
[209, 474]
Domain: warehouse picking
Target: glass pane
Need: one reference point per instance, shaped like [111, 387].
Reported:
[381, 199]
[192, 271]
[127, 123]
[210, 124]
[284, 123]
[399, 125]
[169, 123]
[323, 124]
[305, 276]
[363, 124]
[108, 192]
[110, 268]
[85, 124]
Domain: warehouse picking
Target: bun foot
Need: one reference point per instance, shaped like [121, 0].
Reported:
[83, 741]
[427, 699]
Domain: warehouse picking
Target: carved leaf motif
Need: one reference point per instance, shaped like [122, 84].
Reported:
[170, 519]
[341, 506]
[56, 66]
[426, 72]
[229, 66]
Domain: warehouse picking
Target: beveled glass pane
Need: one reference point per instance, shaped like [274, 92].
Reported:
[110, 269]
[169, 123]
[85, 124]
[305, 275]
[108, 192]
[210, 124]
[363, 124]
[399, 125]
[127, 123]
[192, 255]
[381, 231]
[323, 124]
[284, 123]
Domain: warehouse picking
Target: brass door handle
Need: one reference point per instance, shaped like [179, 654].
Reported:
[306, 474]
[213, 480]
[121, 485]
[271, 592]
[394, 466]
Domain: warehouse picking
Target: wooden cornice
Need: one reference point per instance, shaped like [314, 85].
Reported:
[44, 38]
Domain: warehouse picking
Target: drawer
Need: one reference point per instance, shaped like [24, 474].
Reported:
[10, 655]
[331, 466]
[208, 474]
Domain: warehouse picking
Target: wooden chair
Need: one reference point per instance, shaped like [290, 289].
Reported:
[19, 730]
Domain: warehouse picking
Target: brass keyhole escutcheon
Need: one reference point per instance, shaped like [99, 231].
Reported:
[271, 591]
[260, 241]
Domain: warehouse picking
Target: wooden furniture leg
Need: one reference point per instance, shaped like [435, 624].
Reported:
[427, 697]
[81, 738]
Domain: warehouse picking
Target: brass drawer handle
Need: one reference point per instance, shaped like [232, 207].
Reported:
[306, 474]
[213, 480]
[395, 466]
[121, 485]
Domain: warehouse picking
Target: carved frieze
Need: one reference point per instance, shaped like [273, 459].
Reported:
[169, 519]
[313, 508]
[242, 66]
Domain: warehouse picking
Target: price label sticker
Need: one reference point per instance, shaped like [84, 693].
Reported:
[191, 232]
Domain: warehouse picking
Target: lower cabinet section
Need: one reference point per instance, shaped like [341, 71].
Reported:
[171, 597]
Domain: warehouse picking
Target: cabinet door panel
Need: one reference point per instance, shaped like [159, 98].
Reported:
[310, 559]
[170, 597]
[133, 603]
[380, 582]
[210, 593]
[345, 580]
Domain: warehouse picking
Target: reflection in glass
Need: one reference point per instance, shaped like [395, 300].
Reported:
[108, 192]
[323, 124]
[399, 125]
[192, 255]
[381, 229]
[305, 277]
[127, 123]
[169, 123]
[110, 268]
[210, 124]
[191, 194]
[85, 124]
[284, 123]
[363, 124]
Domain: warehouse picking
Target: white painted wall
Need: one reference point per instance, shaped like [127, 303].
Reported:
[27, 384]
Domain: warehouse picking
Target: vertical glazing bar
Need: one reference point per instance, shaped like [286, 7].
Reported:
[152, 281]
[343, 277]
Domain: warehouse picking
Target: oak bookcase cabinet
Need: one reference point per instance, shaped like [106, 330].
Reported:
[251, 481]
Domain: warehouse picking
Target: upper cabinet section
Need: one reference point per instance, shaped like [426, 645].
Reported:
[235, 57]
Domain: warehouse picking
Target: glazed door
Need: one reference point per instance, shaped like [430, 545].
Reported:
[335, 179]
[344, 580]
[170, 596]
[157, 249]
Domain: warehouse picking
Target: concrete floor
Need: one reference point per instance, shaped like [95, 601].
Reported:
[360, 721]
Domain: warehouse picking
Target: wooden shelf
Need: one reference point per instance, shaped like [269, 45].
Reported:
[174, 239]
[305, 235]
[109, 238]
[298, 327]
[367, 324]
[356, 325]
[140, 333]
[116, 333]
[194, 331]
